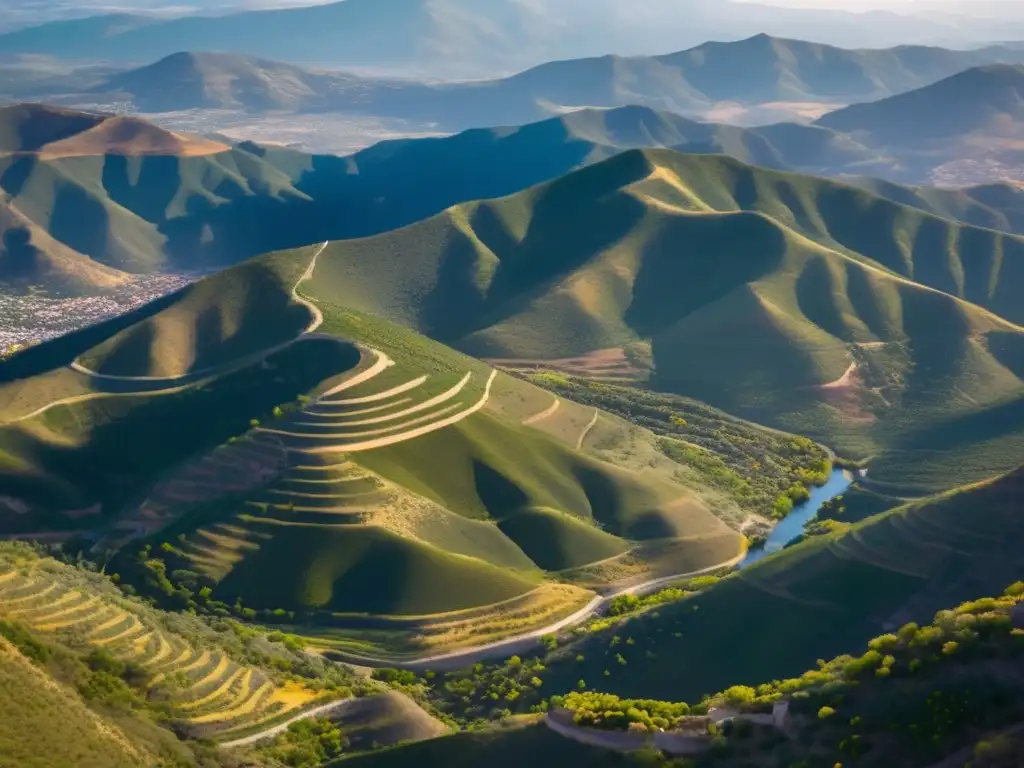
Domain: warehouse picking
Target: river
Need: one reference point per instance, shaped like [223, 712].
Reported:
[793, 525]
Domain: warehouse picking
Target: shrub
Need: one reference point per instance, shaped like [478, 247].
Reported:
[825, 712]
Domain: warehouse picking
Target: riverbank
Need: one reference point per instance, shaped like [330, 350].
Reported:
[792, 526]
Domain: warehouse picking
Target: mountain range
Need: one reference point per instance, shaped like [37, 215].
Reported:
[91, 199]
[469, 38]
[768, 77]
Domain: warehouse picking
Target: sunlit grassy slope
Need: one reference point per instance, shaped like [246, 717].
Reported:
[397, 475]
[803, 302]
[91, 198]
[45, 725]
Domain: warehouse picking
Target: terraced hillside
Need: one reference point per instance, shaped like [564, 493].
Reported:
[410, 482]
[404, 480]
[204, 686]
[857, 320]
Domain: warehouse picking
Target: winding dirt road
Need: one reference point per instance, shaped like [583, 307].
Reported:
[280, 728]
[525, 642]
[171, 384]
[316, 320]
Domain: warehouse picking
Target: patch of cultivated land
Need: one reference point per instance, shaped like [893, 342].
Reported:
[207, 688]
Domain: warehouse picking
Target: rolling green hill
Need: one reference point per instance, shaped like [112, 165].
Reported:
[836, 313]
[408, 480]
[91, 198]
[877, 314]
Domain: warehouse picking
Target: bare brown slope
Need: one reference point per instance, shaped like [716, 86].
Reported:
[29, 127]
[54, 132]
[130, 136]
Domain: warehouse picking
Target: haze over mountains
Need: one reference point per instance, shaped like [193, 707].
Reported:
[984, 102]
[765, 72]
[453, 36]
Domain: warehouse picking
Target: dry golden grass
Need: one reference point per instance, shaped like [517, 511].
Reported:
[130, 136]
[221, 690]
[248, 703]
[293, 695]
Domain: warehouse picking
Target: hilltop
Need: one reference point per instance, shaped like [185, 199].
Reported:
[203, 80]
[90, 198]
[820, 320]
[988, 104]
[53, 132]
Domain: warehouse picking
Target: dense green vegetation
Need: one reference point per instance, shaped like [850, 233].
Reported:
[752, 465]
[916, 695]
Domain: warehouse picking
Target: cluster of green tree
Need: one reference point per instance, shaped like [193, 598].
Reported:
[913, 697]
[822, 528]
[752, 465]
[473, 697]
[800, 491]
[307, 744]
[625, 605]
[608, 712]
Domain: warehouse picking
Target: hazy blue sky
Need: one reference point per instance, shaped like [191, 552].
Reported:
[894, 5]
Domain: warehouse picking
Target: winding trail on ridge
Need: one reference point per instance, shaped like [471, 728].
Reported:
[316, 321]
[178, 383]
[280, 728]
[524, 642]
